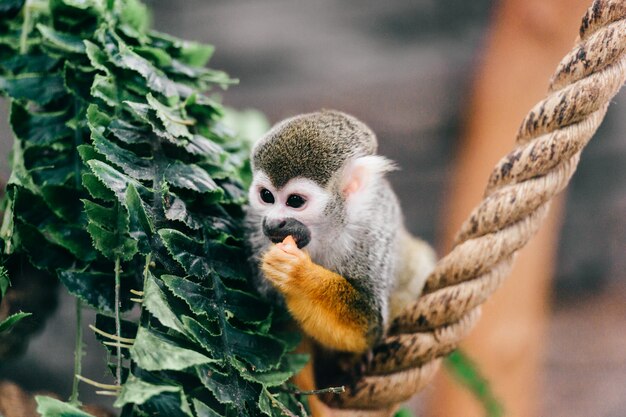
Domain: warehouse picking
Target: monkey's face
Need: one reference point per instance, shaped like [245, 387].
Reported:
[295, 209]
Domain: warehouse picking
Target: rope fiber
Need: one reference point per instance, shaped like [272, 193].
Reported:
[517, 197]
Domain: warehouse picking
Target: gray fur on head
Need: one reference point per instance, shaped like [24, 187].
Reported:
[312, 140]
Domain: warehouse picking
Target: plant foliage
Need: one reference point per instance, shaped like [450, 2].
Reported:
[9, 322]
[125, 178]
[468, 374]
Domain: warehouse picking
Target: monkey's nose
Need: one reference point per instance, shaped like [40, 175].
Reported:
[278, 230]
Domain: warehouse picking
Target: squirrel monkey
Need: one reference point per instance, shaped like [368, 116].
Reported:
[327, 230]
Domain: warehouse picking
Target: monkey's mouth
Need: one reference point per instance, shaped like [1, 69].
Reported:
[278, 230]
[302, 239]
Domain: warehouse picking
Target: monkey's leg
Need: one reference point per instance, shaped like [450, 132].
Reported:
[325, 304]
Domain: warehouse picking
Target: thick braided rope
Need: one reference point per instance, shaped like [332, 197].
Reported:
[549, 143]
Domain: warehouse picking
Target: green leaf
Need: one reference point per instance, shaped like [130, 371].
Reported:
[129, 133]
[20, 177]
[146, 114]
[5, 282]
[97, 118]
[123, 57]
[50, 407]
[113, 179]
[260, 351]
[112, 244]
[40, 251]
[157, 56]
[83, 5]
[155, 301]
[39, 88]
[204, 258]
[199, 145]
[46, 166]
[109, 230]
[34, 62]
[202, 300]
[176, 209]
[96, 188]
[249, 124]
[88, 152]
[464, 370]
[72, 238]
[8, 323]
[78, 81]
[190, 177]
[195, 144]
[404, 412]
[140, 226]
[168, 404]
[265, 403]
[136, 391]
[202, 76]
[203, 410]
[10, 6]
[62, 41]
[63, 201]
[101, 215]
[155, 353]
[133, 165]
[134, 13]
[290, 365]
[105, 89]
[39, 129]
[32, 210]
[229, 388]
[191, 53]
[173, 121]
[96, 56]
[97, 289]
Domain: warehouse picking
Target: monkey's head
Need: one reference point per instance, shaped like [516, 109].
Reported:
[310, 172]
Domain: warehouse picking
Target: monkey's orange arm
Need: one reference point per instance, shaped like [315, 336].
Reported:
[327, 306]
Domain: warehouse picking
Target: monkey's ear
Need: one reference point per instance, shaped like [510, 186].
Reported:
[362, 171]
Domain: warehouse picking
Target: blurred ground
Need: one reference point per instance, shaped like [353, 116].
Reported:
[404, 68]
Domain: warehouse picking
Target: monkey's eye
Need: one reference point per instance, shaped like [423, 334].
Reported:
[267, 196]
[295, 201]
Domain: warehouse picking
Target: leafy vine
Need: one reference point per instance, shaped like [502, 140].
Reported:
[127, 185]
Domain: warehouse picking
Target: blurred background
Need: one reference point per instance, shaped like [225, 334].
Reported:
[410, 70]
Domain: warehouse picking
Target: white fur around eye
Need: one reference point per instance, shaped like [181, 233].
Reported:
[260, 182]
[310, 213]
[315, 196]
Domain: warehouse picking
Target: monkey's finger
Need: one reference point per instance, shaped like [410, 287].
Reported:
[292, 249]
[277, 264]
[281, 254]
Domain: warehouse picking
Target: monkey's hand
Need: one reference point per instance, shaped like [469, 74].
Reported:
[281, 265]
[326, 305]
